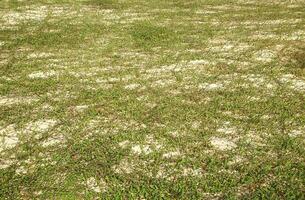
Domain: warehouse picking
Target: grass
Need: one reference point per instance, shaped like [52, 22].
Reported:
[148, 35]
[152, 100]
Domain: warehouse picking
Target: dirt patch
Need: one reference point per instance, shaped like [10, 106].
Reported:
[222, 144]
[8, 137]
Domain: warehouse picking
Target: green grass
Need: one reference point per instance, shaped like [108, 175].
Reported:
[198, 99]
[148, 35]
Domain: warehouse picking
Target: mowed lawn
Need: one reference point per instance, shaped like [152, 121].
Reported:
[152, 99]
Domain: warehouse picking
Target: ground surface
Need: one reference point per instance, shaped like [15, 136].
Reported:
[152, 99]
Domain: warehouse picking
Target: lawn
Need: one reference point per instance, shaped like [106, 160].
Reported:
[152, 99]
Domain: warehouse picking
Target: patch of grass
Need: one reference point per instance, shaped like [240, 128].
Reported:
[59, 35]
[104, 4]
[147, 35]
[294, 55]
